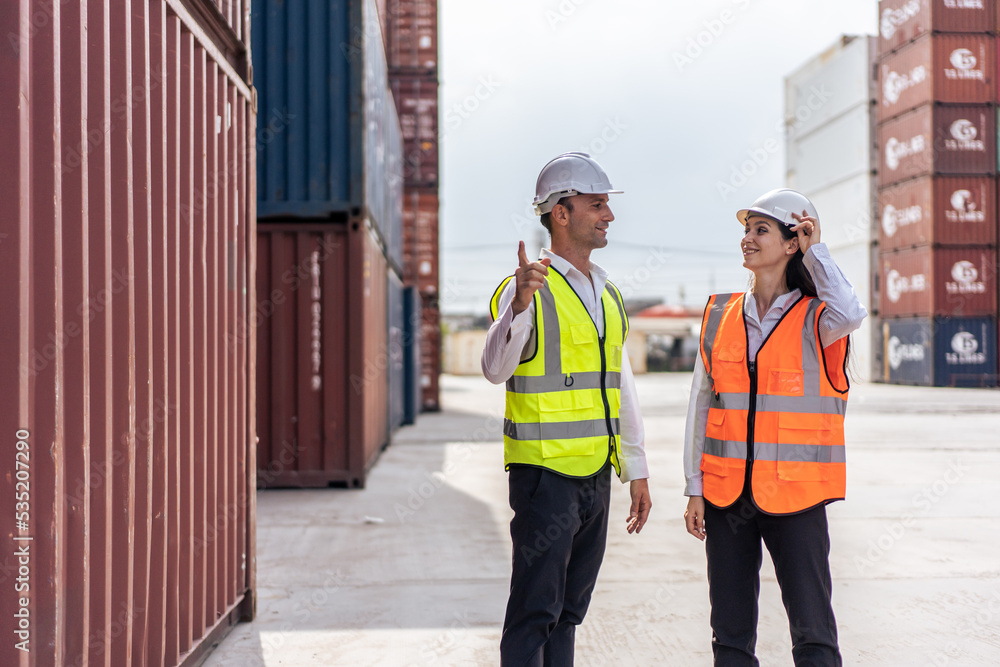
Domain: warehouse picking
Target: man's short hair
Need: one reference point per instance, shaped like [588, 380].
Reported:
[547, 217]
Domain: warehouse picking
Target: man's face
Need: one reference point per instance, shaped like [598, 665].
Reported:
[588, 219]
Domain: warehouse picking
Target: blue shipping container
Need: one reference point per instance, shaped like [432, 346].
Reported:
[413, 395]
[397, 334]
[943, 352]
[328, 138]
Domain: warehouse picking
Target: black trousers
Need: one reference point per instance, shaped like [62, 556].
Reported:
[799, 545]
[559, 531]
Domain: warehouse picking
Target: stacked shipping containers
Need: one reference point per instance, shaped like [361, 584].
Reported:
[828, 122]
[412, 49]
[329, 157]
[937, 192]
[127, 254]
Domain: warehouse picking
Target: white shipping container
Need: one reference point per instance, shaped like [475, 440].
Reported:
[830, 84]
[834, 152]
[845, 211]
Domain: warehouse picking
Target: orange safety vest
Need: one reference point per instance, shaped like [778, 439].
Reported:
[781, 414]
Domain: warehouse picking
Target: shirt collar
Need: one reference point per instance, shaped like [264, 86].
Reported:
[780, 304]
[564, 267]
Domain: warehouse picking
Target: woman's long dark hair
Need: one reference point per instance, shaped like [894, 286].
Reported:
[796, 274]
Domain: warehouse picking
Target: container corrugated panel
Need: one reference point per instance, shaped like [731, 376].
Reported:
[430, 353]
[829, 85]
[955, 68]
[902, 21]
[326, 145]
[835, 151]
[944, 352]
[127, 379]
[951, 282]
[322, 353]
[935, 139]
[420, 233]
[938, 210]
[413, 318]
[397, 334]
[417, 104]
[413, 35]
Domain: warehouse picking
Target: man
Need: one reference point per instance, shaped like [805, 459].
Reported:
[558, 341]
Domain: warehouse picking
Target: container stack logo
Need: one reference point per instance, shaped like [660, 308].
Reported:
[894, 218]
[897, 285]
[896, 84]
[963, 67]
[900, 352]
[964, 208]
[965, 279]
[964, 350]
[894, 18]
[896, 150]
[963, 137]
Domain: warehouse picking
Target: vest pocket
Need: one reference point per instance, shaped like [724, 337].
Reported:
[569, 411]
[802, 448]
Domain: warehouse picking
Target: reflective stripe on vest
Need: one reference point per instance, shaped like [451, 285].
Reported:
[796, 412]
[580, 379]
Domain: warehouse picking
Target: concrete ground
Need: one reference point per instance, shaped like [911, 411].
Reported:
[413, 569]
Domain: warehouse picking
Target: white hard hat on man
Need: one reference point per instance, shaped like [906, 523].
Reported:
[568, 175]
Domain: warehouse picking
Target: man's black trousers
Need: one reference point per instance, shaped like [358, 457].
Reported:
[559, 531]
[799, 545]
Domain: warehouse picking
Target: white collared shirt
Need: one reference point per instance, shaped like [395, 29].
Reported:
[502, 356]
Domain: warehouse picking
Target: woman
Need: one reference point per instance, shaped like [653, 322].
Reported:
[764, 444]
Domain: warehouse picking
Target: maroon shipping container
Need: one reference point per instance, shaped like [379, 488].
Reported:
[935, 139]
[950, 282]
[430, 353]
[902, 21]
[939, 211]
[126, 252]
[420, 239]
[955, 68]
[322, 354]
[417, 107]
[412, 36]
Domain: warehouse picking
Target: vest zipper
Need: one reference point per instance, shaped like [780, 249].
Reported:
[604, 397]
[751, 418]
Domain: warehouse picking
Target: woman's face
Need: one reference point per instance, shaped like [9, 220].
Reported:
[764, 247]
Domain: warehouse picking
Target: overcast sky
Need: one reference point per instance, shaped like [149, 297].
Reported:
[670, 97]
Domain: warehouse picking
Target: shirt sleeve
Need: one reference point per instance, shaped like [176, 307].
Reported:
[633, 434]
[502, 353]
[843, 313]
[694, 429]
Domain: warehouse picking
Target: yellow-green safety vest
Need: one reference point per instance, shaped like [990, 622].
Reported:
[564, 398]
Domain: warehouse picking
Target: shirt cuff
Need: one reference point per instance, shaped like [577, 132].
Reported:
[817, 252]
[633, 468]
[693, 487]
[520, 321]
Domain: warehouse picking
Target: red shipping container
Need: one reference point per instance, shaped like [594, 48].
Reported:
[956, 68]
[420, 239]
[323, 354]
[417, 106]
[935, 139]
[902, 21]
[412, 35]
[938, 210]
[950, 282]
